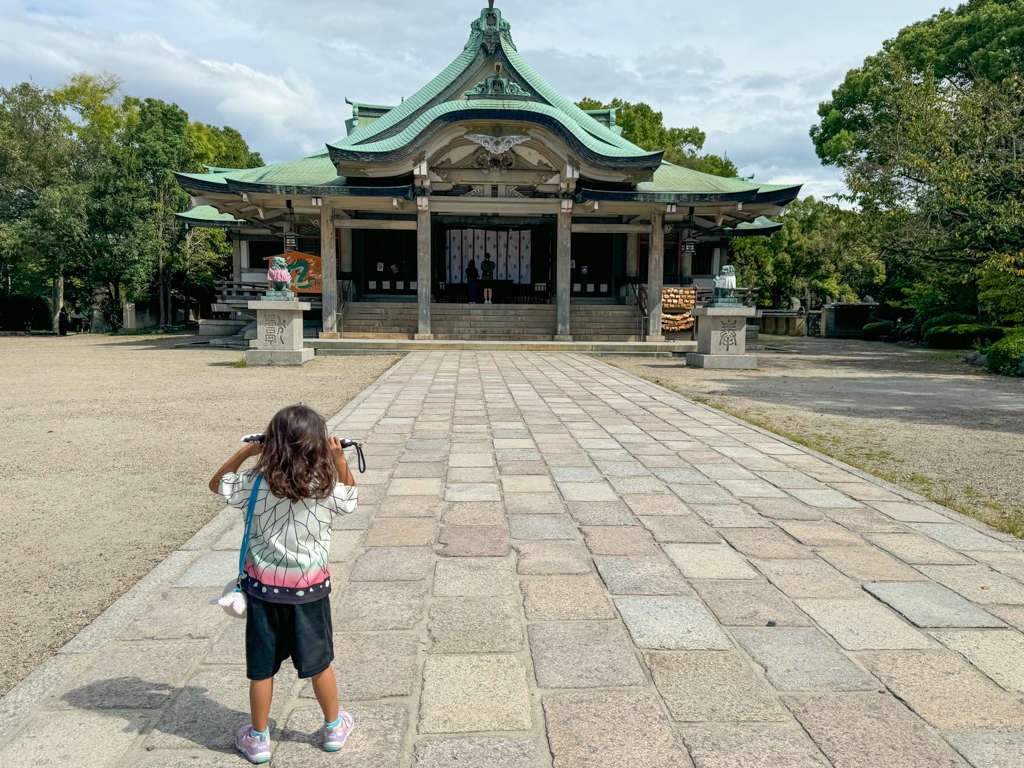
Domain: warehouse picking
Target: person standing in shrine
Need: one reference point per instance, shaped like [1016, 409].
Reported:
[487, 271]
[473, 279]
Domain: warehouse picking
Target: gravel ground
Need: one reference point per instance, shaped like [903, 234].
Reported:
[922, 419]
[108, 444]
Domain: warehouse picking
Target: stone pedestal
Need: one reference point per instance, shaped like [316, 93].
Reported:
[279, 339]
[722, 338]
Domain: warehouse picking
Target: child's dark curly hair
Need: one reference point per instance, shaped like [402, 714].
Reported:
[296, 462]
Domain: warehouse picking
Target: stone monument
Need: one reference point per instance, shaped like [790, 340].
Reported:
[279, 338]
[722, 329]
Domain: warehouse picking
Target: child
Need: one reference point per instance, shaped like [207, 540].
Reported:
[305, 480]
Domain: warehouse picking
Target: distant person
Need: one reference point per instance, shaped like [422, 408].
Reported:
[487, 270]
[301, 480]
[63, 322]
[473, 279]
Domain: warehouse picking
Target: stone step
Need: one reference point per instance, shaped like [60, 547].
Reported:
[391, 346]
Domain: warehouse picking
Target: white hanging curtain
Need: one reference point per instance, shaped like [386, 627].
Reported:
[511, 251]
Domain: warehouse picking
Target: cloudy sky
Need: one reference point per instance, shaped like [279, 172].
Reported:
[749, 73]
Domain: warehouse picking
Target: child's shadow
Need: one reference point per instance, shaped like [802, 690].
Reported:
[179, 718]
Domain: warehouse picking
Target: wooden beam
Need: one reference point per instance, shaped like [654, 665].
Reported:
[375, 224]
[616, 229]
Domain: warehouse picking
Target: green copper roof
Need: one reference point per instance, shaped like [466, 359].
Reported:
[400, 128]
[207, 215]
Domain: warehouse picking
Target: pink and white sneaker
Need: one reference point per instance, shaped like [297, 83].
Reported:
[335, 738]
[255, 748]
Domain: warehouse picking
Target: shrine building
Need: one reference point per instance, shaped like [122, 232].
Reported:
[486, 160]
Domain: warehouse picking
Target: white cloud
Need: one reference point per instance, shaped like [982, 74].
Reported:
[750, 74]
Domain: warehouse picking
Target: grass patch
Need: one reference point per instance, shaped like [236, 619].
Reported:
[243, 363]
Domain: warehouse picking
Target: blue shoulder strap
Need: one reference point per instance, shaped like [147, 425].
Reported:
[243, 551]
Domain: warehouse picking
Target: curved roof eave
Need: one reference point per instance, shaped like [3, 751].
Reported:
[598, 153]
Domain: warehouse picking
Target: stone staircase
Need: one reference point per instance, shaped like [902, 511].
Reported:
[494, 322]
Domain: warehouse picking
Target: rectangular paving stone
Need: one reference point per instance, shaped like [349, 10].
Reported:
[765, 542]
[756, 746]
[533, 527]
[475, 625]
[784, 509]
[1007, 563]
[214, 569]
[703, 494]
[370, 606]
[866, 730]
[916, 549]
[543, 558]
[864, 625]
[760, 489]
[947, 692]
[908, 512]
[391, 564]
[862, 491]
[601, 513]
[473, 577]
[579, 736]
[619, 540]
[709, 561]
[471, 475]
[655, 505]
[978, 583]
[956, 536]
[599, 491]
[474, 541]
[583, 654]
[638, 485]
[565, 598]
[401, 532]
[138, 675]
[730, 516]
[799, 659]
[808, 578]
[712, 686]
[482, 459]
[74, 738]
[527, 484]
[827, 498]
[671, 624]
[486, 513]
[415, 487]
[931, 605]
[534, 504]
[419, 469]
[471, 693]
[173, 616]
[999, 653]
[750, 604]
[507, 468]
[479, 752]
[1011, 614]
[582, 474]
[822, 533]
[990, 750]
[354, 521]
[473, 492]
[641, 576]
[682, 476]
[377, 739]
[868, 564]
[864, 521]
[374, 666]
[681, 529]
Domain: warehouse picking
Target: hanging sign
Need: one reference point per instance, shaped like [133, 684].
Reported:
[291, 242]
[690, 247]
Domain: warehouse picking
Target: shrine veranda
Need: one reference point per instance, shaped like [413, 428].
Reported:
[486, 159]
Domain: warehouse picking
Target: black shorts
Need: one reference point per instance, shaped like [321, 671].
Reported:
[278, 631]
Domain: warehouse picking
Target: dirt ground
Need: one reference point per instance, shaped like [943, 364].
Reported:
[922, 419]
[107, 446]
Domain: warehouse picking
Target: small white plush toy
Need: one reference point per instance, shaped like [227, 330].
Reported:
[233, 601]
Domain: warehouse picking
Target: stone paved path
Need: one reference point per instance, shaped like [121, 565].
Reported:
[556, 563]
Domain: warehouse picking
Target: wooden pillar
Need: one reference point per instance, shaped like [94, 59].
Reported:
[632, 254]
[329, 271]
[236, 258]
[656, 276]
[563, 275]
[424, 278]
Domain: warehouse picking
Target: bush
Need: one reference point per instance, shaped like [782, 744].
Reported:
[876, 331]
[1007, 356]
[24, 313]
[949, 318]
[961, 336]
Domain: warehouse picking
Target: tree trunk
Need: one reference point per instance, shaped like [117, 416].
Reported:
[160, 264]
[58, 302]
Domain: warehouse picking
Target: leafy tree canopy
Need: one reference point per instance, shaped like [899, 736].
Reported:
[646, 128]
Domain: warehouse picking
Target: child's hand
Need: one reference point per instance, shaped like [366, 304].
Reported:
[334, 444]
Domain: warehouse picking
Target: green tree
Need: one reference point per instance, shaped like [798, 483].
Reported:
[645, 127]
[220, 148]
[820, 252]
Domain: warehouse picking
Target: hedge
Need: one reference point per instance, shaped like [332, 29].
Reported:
[961, 336]
[950, 318]
[875, 331]
[1007, 356]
